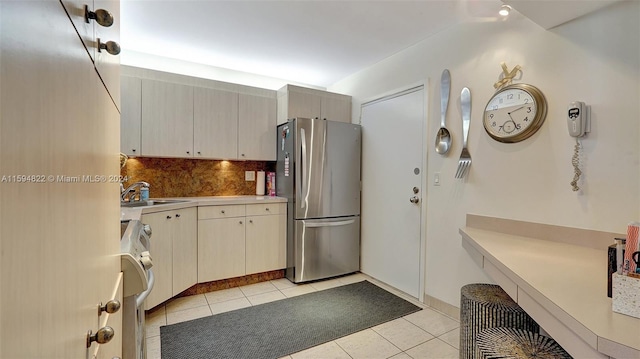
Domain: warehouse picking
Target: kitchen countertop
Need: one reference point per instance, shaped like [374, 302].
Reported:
[562, 285]
[132, 213]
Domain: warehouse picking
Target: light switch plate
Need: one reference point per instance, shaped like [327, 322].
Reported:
[249, 175]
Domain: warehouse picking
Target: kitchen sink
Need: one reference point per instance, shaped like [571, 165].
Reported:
[151, 202]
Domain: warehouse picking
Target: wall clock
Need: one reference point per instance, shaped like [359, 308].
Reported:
[514, 113]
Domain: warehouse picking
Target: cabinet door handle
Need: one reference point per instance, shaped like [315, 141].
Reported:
[266, 209]
[133, 150]
[112, 47]
[222, 211]
[251, 221]
[111, 307]
[188, 152]
[102, 336]
[168, 217]
[101, 16]
[177, 215]
[240, 222]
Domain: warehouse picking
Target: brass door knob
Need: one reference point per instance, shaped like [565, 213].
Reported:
[102, 336]
[101, 16]
[112, 47]
[111, 307]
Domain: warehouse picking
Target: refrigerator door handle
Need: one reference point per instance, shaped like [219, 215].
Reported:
[310, 224]
[303, 163]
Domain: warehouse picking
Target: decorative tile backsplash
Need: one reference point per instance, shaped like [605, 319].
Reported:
[179, 177]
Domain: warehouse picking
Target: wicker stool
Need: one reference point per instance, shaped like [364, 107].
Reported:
[498, 343]
[485, 306]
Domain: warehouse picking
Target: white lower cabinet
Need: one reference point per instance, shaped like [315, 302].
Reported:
[185, 250]
[174, 252]
[265, 243]
[221, 248]
[236, 240]
[197, 245]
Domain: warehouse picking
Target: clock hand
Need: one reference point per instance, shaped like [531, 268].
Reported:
[518, 109]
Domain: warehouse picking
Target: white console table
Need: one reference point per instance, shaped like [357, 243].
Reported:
[558, 275]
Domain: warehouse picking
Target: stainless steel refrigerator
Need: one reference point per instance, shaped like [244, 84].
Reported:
[318, 171]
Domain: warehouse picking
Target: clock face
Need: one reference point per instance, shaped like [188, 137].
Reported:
[514, 113]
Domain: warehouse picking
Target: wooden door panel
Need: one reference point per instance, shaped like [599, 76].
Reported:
[59, 236]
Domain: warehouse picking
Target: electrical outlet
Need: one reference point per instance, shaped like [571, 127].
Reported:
[249, 175]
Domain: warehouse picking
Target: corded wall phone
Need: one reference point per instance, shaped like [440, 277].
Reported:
[578, 119]
[579, 124]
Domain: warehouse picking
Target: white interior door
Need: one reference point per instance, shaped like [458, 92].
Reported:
[392, 160]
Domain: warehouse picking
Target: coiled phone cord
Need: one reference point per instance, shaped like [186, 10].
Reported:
[575, 161]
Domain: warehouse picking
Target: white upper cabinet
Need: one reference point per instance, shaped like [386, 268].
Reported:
[257, 126]
[295, 101]
[215, 123]
[169, 115]
[336, 108]
[304, 105]
[131, 115]
[167, 119]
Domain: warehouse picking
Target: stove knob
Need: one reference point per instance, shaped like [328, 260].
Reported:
[147, 229]
[145, 260]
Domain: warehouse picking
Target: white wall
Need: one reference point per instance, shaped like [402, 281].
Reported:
[167, 64]
[595, 59]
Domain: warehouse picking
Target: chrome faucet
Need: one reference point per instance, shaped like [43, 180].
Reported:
[124, 192]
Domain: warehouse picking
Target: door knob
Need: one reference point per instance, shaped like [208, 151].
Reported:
[111, 307]
[101, 16]
[102, 336]
[112, 47]
[416, 190]
[414, 199]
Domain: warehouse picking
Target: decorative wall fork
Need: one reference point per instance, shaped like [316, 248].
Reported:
[464, 163]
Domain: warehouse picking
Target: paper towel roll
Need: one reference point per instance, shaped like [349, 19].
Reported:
[260, 183]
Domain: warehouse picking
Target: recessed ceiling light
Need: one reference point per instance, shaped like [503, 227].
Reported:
[504, 10]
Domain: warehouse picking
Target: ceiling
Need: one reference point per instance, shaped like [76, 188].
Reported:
[555, 13]
[312, 42]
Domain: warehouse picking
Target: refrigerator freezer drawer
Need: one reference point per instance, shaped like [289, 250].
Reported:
[324, 248]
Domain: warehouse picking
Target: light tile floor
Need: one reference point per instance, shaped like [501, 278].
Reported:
[424, 334]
